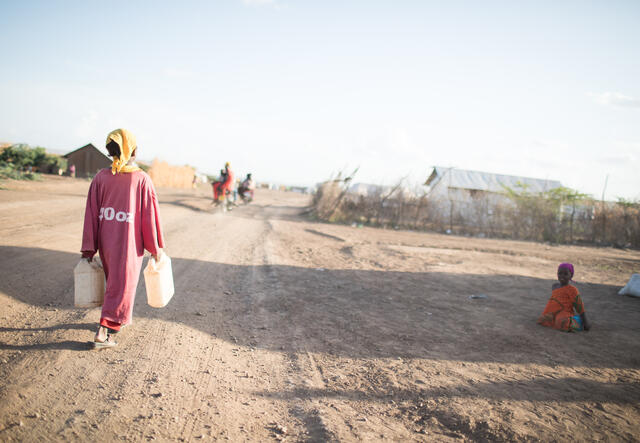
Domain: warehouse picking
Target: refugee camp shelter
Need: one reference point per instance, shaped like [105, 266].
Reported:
[368, 190]
[371, 190]
[88, 160]
[464, 189]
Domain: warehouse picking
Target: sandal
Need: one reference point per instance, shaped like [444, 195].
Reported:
[107, 342]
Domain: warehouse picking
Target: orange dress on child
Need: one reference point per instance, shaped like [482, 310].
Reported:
[562, 307]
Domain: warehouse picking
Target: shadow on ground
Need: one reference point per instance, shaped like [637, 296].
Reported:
[537, 390]
[356, 313]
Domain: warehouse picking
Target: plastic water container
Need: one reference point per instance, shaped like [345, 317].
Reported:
[158, 278]
[88, 283]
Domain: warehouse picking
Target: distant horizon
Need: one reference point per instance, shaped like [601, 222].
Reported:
[296, 91]
[355, 182]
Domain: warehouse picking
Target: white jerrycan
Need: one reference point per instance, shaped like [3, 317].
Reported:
[88, 283]
[158, 278]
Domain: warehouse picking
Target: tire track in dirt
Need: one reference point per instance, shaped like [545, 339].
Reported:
[302, 371]
[257, 286]
[247, 240]
[181, 231]
[152, 355]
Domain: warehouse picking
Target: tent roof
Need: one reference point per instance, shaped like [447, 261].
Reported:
[486, 181]
[367, 189]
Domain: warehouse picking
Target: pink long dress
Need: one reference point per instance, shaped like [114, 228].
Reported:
[121, 221]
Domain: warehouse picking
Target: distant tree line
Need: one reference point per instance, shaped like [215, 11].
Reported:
[560, 215]
[20, 161]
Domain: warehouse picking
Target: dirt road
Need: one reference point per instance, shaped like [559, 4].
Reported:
[286, 329]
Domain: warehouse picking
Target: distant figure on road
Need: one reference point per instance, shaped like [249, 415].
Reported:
[217, 184]
[121, 221]
[564, 310]
[223, 186]
[246, 188]
[72, 170]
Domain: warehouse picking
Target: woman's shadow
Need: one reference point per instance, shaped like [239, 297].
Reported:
[70, 345]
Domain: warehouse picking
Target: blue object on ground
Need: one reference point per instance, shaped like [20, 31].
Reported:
[578, 320]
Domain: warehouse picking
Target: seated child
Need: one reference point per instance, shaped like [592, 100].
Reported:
[564, 304]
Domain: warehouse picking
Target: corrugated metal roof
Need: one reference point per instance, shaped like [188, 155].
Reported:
[486, 181]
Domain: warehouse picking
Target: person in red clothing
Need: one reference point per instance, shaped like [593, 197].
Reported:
[223, 186]
[217, 186]
[565, 310]
[121, 220]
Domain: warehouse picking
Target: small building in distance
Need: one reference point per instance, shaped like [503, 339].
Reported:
[368, 190]
[461, 190]
[88, 160]
[371, 191]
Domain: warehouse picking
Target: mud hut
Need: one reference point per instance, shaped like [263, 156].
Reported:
[88, 160]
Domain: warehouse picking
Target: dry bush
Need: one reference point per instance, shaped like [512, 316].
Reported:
[556, 217]
[328, 201]
[617, 223]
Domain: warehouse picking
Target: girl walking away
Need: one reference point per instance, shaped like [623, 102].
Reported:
[121, 221]
[565, 310]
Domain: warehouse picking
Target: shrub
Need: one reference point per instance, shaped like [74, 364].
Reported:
[9, 171]
[22, 156]
[52, 163]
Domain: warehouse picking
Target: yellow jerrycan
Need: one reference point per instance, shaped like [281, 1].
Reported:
[158, 278]
[88, 279]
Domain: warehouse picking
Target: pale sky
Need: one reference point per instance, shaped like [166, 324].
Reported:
[295, 91]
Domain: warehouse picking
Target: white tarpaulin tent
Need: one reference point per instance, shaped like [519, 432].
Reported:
[485, 181]
[633, 287]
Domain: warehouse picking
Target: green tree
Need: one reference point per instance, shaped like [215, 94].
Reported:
[19, 155]
[541, 216]
[566, 197]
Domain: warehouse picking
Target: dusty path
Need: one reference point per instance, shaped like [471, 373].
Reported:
[286, 329]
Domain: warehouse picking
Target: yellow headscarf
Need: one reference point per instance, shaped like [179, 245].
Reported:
[127, 143]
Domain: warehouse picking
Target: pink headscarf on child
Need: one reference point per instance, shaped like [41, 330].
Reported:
[568, 266]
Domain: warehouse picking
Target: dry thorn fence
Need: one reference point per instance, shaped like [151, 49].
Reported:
[558, 216]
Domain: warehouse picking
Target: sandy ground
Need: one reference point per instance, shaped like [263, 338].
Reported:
[286, 329]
